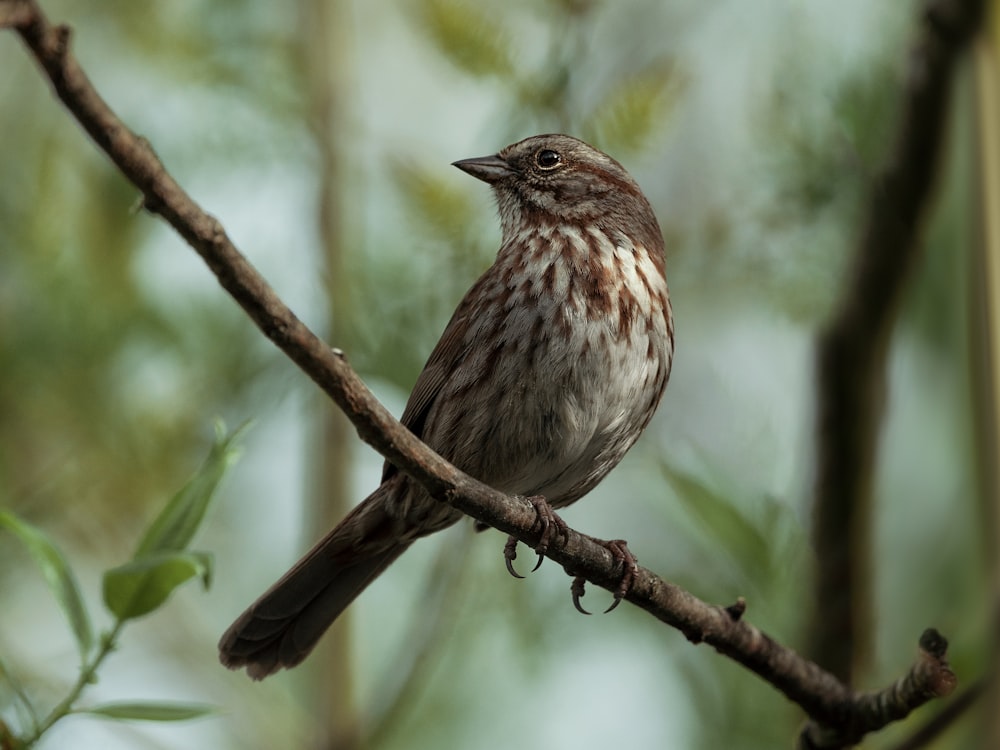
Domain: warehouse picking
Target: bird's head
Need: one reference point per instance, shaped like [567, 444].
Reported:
[554, 179]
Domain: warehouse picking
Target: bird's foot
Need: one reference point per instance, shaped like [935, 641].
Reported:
[619, 551]
[550, 526]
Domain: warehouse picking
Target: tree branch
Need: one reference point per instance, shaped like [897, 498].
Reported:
[947, 717]
[851, 353]
[822, 696]
[929, 677]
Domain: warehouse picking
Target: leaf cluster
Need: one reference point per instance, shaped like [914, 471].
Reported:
[163, 561]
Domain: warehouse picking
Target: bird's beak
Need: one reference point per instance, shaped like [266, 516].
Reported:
[486, 168]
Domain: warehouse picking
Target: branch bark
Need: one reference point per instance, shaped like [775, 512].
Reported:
[851, 354]
[838, 713]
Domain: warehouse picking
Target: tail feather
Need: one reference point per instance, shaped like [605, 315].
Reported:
[280, 629]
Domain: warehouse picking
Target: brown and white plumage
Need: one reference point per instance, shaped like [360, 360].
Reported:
[549, 370]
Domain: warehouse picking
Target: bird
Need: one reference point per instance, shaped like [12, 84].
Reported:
[550, 368]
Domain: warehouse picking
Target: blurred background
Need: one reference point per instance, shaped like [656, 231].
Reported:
[320, 133]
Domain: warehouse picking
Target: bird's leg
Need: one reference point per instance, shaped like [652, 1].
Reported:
[619, 551]
[548, 523]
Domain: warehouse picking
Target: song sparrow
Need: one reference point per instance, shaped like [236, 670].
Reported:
[548, 371]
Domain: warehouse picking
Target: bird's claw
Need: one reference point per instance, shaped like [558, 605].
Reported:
[538, 562]
[549, 525]
[619, 551]
[578, 588]
[510, 554]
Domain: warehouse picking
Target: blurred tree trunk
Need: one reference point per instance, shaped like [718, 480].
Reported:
[986, 368]
[852, 351]
[324, 59]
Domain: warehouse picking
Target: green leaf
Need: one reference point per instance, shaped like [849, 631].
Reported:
[150, 711]
[140, 586]
[472, 40]
[434, 202]
[18, 698]
[176, 525]
[737, 536]
[633, 111]
[58, 575]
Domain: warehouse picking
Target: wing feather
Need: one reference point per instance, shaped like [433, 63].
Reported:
[449, 353]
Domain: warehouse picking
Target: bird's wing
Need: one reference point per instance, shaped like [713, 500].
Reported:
[448, 354]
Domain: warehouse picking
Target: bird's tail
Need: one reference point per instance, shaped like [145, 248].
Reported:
[280, 629]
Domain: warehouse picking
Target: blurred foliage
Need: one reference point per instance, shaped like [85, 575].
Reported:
[739, 545]
[468, 36]
[633, 112]
[556, 89]
[97, 371]
[161, 563]
[115, 344]
[747, 553]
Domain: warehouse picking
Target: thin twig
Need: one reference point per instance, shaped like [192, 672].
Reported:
[953, 710]
[930, 676]
[824, 698]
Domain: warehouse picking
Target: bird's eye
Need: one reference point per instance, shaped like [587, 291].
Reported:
[547, 159]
